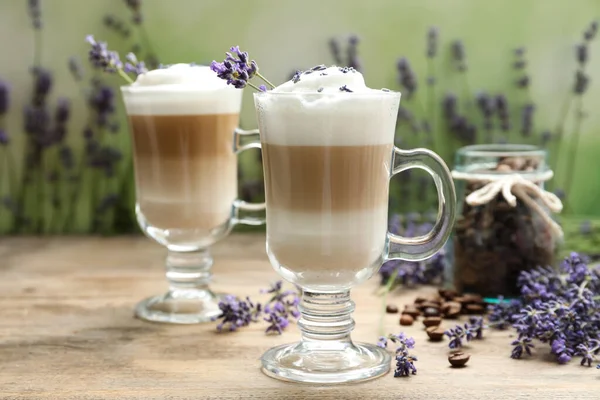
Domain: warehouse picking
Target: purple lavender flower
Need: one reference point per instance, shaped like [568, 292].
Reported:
[432, 41]
[458, 54]
[35, 12]
[334, 48]
[101, 57]
[406, 76]
[277, 322]
[545, 138]
[502, 110]
[352, 53]
[521, 345]
[113, 23]
[136, 7]
[4, 97]
[41, 86]
[581, 83]
[405, 365]
[581, 52]
[382, 342]
[4, 139]
[134, 66]
[590, 33]
[237, 69]
[527, 119]
[587, 351]
[236, 313]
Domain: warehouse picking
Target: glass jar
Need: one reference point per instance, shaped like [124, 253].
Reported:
[504, 225]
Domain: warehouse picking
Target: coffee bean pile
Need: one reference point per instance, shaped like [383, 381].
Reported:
[447, 304]
[494, 242]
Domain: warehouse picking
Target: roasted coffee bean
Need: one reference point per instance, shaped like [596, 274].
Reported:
[435, 333]
[428, 304]
[448, 294]
[475, 309]
[458, 359]
[431, 312]
[420, 300]
[406, 320]
[391, 309]
[451, 309]
[432, 321]
[412, 311]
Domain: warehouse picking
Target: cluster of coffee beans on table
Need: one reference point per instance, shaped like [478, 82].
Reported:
[447, 304]
[494, 242]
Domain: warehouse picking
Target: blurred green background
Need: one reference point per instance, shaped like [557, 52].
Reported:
[285, 35]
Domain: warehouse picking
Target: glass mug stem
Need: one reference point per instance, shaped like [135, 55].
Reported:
[188, 270]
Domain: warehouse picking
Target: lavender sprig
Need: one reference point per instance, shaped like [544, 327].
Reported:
[465, 333]
[404, 361]
[282, 305]
[236, 313]
[560, 308]
[109, 61]
[237, 69]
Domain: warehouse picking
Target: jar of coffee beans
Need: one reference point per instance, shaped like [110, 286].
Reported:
[504, 224]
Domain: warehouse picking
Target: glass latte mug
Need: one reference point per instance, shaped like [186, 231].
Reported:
[328, 159]
[186, 183]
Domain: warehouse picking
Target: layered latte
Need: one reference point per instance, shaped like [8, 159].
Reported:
[327, 144]
[182, 120]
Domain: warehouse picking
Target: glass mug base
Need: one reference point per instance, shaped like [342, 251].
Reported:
[180, 307]
[305, 362]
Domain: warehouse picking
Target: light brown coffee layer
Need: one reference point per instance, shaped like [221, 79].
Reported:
[185, 169]
[183, 136]
[326, 178]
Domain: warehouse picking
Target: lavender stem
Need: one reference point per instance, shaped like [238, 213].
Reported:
[37, 48]
[566, 107]
[125, 76]
[431, 99]
[387, 289]
[265, 79]
[573, 153]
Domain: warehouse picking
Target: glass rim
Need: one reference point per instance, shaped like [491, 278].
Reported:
[501, 150]
[379, 93]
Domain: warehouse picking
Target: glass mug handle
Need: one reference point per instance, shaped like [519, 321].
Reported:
[422, 247]
[245, 140]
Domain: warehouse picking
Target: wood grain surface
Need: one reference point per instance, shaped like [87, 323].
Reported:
[67, 331]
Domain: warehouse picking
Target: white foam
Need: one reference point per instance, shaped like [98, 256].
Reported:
[314, 110]
[181, 89]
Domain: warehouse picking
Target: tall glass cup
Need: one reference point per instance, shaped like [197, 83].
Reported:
[184, 152]
[327, 161]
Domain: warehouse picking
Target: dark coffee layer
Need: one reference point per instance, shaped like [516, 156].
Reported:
[326, 178]
[183, 136]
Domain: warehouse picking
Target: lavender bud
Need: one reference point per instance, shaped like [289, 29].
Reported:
[334, 48]
[135, 7]
[458, 54]
[4, 98]
[521, 64]
[527, 119]
[590, 33]
[4, 139]
[63, 111]
[523, 82]
[485, 104]
[432, 41]
[520, 51]
[449, 106]
[35, 12]
[546, 137]
[406, 76]
[352, 53]
[582, 53]
[581, 83]
[42, 85]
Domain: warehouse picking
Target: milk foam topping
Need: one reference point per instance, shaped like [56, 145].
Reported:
[181, 89]
[327, 107]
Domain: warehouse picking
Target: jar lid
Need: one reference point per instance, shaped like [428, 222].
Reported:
[487, 160]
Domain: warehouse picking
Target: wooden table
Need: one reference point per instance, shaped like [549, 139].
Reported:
[67, 332]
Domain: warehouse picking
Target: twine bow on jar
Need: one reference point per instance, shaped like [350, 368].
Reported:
[515, 186]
